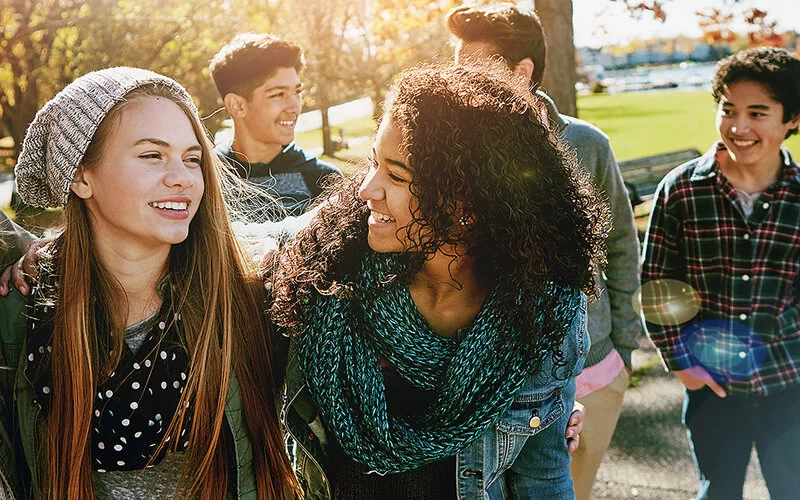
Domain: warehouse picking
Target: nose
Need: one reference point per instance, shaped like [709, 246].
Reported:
[179, 175]
[371, 188]
[296, 103]
[740, 125]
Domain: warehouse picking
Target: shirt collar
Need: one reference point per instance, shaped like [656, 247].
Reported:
[707, 165]
[557, 124]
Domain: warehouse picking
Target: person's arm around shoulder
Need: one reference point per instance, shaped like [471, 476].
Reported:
[24, 270]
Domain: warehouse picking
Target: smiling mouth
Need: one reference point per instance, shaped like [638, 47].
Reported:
[381, 217]
[170, 205]
[743, 144]
[287, 123]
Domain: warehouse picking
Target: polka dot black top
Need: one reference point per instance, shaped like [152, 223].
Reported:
[134, 406]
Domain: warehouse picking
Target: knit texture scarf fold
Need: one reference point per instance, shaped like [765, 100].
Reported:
[475, 378]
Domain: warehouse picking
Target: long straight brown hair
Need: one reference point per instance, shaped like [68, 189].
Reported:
[220, 301]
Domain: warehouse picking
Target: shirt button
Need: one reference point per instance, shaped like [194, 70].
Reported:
[765, 205]
[535, 421]
[742, 316]
[746, 236]
[745, 277]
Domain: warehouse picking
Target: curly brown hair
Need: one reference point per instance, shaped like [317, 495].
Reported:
[776, 69]
[479, 153]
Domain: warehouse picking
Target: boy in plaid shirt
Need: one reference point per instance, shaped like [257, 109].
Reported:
[721, 291]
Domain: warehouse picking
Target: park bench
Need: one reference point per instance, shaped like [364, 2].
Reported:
[642, 175]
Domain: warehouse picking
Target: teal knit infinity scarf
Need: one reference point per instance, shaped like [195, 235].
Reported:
[475, 378]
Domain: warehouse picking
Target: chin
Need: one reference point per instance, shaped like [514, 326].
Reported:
[380, 246]
[175, 238]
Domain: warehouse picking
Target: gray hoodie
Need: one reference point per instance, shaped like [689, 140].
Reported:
[613, 323]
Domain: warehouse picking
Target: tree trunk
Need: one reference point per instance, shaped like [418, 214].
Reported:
[327, 145]
[559, 77]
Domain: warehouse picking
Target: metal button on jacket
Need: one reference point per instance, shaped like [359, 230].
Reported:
[535, 421]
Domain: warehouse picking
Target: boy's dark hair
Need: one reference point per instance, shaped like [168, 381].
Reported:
[249, 59]
[777, 70]
[515, 32]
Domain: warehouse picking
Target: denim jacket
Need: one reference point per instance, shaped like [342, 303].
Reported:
[524, 456]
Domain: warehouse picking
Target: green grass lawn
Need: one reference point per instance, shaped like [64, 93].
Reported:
[357, 127]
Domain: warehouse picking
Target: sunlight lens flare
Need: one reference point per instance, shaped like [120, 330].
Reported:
[666, 302]
[728, 350]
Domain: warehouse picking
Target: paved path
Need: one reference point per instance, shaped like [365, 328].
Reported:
[649, 456]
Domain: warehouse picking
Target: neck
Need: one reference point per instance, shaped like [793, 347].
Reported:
[751, 178]
[251, 150]
[448, 293]
[138, 273]
[444, 273]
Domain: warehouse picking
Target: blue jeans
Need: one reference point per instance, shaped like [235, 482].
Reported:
[722, 432]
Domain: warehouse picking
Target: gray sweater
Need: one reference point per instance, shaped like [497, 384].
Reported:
[613, 323]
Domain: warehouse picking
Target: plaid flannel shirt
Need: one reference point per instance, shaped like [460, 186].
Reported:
[745, 271]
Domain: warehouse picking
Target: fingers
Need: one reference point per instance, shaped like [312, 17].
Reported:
[5, 278]
[578, 413]
[18, 276]
[718, 390]
[33, 254]
[572, 443]
[575, 426]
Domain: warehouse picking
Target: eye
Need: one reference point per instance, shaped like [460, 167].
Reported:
[193, 160]
[757, 114]
[373, 163]
[151, 156]
[397, 178]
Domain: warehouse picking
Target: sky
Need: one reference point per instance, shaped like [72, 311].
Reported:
[681, 20]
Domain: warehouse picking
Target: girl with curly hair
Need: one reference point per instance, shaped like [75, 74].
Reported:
[436, 303]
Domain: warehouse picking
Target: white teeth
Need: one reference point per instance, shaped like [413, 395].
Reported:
[170, 205]
[381, 217]
[743, 144]
[287, 123]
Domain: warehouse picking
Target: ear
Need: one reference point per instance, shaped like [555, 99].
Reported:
[80, 186]
[235, 104]
[794, 122]
[524, 68]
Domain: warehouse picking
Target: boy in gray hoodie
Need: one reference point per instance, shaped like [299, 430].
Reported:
[513, 35]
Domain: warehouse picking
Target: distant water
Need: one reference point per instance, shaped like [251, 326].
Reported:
[685, 75]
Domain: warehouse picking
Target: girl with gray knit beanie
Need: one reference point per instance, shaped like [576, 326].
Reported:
[143, 361]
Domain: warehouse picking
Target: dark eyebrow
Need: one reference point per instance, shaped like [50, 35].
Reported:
[165, 144]
[397, 163]
[284, 87]
[752, 106]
